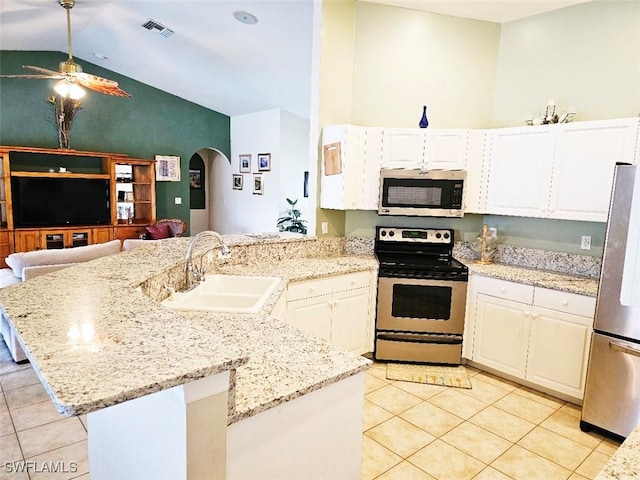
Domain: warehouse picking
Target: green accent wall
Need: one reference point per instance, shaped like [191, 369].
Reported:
[150, 123]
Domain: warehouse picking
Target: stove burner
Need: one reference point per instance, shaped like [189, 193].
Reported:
[418, 253]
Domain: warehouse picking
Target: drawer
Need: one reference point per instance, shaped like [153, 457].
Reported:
[518, 292]
[351, 281]
[327, 285]
[4, 237]
[309, 288]
[565, 302]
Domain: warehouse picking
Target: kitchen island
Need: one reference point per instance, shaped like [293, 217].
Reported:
[100, 342]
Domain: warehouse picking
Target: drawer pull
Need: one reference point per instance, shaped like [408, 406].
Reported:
[502, 289]
[618, 347]
[565, 303]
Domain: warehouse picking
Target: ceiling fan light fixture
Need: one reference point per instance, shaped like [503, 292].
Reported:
[72, 90]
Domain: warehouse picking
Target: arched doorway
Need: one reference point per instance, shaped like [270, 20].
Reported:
[210, 167]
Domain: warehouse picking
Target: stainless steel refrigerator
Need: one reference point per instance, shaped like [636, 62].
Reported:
[612, 394]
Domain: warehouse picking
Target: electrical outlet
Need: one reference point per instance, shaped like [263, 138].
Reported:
[494, 232]
[178, 200]
[324, 226]
[585, 243]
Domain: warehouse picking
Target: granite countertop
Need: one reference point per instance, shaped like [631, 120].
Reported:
[540, 278]
[625, 463]
[95, 340]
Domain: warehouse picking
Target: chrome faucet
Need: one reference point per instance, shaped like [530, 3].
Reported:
[196, 275]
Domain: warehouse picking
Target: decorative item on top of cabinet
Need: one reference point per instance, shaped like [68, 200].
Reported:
[424, 121]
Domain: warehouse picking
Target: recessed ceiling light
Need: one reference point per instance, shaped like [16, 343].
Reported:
[101, 56]
[245, 17]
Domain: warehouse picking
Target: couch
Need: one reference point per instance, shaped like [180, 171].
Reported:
[27, 265]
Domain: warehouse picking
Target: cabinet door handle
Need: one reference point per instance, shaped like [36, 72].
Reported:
[618, 347]
[565, 303]
[534, 316]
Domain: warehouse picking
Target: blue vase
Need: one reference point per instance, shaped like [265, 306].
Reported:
[424, 123]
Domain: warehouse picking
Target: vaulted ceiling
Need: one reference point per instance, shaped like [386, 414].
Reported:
[210, 58]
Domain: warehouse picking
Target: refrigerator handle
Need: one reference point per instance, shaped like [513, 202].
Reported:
[618, 347]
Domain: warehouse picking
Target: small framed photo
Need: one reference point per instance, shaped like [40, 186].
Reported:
[264, 162]
[258, 184]
[167, 168]
[237, 182]
[195, 178]
[128, 197]
[245, 163]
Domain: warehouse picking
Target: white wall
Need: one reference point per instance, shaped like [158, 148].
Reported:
[294, 152]
[587, 56]
[405, 59]
[286, 137]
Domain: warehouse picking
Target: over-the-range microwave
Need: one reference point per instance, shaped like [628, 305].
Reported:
[432, 193]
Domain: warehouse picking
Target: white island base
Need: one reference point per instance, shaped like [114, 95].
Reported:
[181, 433]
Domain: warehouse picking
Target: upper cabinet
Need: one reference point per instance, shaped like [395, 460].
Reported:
[425, 149]
[520, 162]
[350, 170]
[550, 171]
[586, 154]
[557, 171]
[403, 147]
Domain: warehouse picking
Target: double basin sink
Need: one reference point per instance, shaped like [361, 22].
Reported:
[225, 293]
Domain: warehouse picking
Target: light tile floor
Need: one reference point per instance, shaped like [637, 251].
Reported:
[497, 430]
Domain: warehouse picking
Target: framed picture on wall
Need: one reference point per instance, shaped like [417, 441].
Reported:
[258, 184]
[167, 168]
[195, 178]
[237, 182]
[264, 162]
[245, 163]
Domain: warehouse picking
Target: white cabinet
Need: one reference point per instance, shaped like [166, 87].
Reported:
[557, 171]
[425, 149]
[446, 149]
[532, 333]
[586, 154]
[502, 335]
[338, 309]
[403, 147]
[475, 186]
[520, 171]
[350, 180]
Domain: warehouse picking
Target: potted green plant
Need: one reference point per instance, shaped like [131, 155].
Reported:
[291, 222]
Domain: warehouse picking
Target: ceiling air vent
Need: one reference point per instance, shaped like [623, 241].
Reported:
[157, 28]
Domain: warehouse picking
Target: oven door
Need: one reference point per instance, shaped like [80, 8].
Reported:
[421, 305]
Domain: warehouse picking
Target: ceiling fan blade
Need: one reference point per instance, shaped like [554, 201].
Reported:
[43, 77]
[46, 71]
[99, 84]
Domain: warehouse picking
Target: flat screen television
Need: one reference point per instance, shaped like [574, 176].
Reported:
[47, 201]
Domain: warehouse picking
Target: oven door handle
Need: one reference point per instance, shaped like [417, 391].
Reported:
[619, 347]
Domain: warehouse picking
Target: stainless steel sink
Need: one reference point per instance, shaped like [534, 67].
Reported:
[225, 293]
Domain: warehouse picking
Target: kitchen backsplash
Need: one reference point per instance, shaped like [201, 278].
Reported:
[560, 262]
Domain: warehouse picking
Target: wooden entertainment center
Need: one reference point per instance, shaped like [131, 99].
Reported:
[131, 191]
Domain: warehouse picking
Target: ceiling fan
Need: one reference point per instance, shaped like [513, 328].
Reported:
[70, 73]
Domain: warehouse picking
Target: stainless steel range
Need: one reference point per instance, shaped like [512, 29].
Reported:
[422, 293]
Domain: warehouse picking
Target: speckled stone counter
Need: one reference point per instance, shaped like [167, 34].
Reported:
[625, 463]
[539, 278]
[95, 339]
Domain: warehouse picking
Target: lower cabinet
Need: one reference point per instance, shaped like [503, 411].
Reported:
[28, 240]
[532, 333]
[338, 309]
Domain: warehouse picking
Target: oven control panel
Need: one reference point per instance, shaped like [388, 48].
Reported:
[437, 236]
